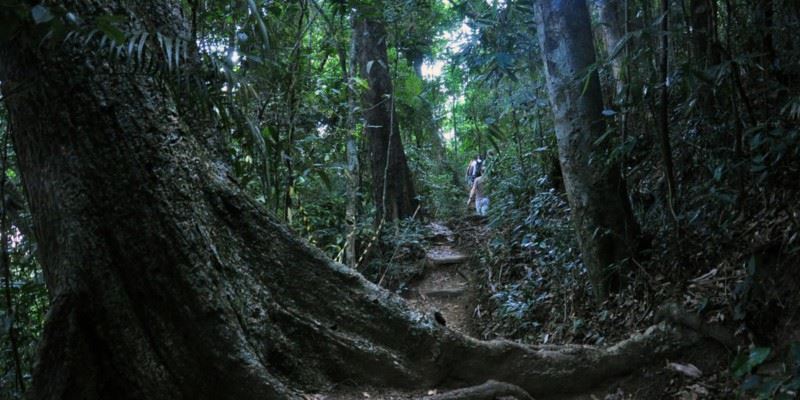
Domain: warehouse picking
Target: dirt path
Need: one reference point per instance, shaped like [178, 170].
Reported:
[444, 289]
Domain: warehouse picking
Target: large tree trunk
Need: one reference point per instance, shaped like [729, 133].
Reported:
[169, 282]
[392, 184]
[603, 221]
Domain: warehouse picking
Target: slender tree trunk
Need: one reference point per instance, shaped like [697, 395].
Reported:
[666, 148]
[767, 16]
[294, 75]
[522, 159]
[353, 184]
[169, 282]
[392, 184]
[703, 33]
[612, 28]
[704, 50]
[426, 126]
[626, 109]
[604, 224]
[347, 66]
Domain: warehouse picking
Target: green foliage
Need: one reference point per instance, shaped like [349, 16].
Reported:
[780, 381]
[746, 361]
[401, 258]
[531, 261]
[25, 289]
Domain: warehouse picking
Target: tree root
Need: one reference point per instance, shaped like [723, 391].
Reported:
[490, 390]
[675, 315]
[557, 370]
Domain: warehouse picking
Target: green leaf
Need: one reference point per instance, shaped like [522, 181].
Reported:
[413, 85]
[745, 362]
[325, 179]
[108, 25]
[361, 83]
[795, 352]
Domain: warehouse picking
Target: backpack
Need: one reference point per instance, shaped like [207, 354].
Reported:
[478, 168]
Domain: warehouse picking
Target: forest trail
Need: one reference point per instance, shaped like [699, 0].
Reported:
[445, 289]
[448, 289]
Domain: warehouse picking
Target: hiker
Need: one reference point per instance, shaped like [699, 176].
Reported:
[477, 194]
[474, 169]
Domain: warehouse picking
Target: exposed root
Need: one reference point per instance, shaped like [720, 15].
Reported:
[674, 314]
[555, 370]
[487, 391]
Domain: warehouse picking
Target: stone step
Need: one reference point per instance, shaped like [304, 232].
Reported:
[445, 255]
[440, 231]
[445, 293]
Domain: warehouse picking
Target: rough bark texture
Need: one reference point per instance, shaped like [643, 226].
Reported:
[604, 224]
[392, 184]
[169, 282]
[612, 28]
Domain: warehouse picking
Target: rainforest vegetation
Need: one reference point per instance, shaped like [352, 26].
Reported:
[270, 199]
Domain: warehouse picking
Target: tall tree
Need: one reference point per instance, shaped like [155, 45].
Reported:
[169, 282]
[392, 184]
[602, 216]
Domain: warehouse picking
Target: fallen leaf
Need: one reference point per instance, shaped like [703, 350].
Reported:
[686, 369]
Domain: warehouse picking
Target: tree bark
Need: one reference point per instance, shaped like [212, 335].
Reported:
[292, 91]
[353, 182]
[392, 184]
[601, 214]
[612, 28]
[169, 282]
[663, 122]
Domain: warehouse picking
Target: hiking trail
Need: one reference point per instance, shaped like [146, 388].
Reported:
[444, 289]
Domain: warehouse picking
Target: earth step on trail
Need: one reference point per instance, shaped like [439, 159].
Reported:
[444, 286]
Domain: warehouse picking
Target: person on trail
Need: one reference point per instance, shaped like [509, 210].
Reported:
[477, 194]
[474, 169]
